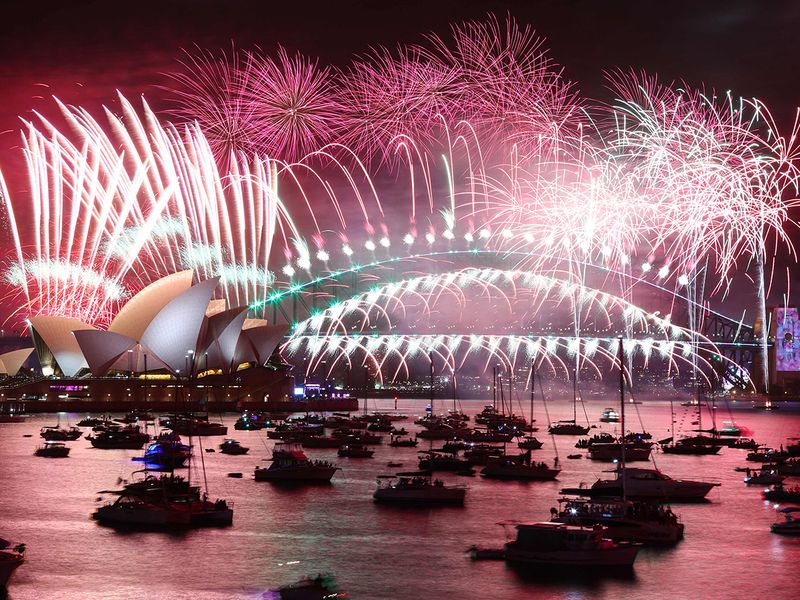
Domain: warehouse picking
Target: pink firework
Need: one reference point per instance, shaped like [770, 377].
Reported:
[292, 104]
[208, 91]
[402, 93]
[515, 92]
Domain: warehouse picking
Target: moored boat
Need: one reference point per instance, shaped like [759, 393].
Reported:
[233, 447]
[643, 483]
[609, 416]
[290, 464]
[626, 520]
[52, 450]
[547, 545]
[417, 488]
[355, 451]
[791, 521]
[519, 467]
[130, 437]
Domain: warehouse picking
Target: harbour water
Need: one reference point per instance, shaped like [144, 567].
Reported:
[377, 552]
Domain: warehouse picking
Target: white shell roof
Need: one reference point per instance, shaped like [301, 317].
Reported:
[135, 316]
[175, 330]
[56, 333]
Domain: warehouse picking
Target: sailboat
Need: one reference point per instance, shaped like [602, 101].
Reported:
[530, 442]
[698, 445]
[570, 427]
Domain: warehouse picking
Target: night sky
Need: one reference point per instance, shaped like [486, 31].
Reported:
[84, 50]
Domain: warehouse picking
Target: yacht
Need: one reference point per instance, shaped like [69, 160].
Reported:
[54, 433]
[167, 451]
[11, 557]
[778, 493]
[612, 451]
[52, 450]
[519, 467]
[290, 464]
[436, 461]
[644, 484]
[137, 511]
[626, 520]
[529, 443]
[399, 442]
[550, 544]
[763, 477]
[693, 446]
[791, 522]
[230, 446]
[609, 416]
[417, 488]
[568, 428]
[166, 501]
[322, 587]
[130, 437]
[355, 451]
[197, 427]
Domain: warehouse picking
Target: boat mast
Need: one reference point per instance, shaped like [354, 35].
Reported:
[533, 381]
[620, 357]
[494, 387]
[574, 396]
[430, 357]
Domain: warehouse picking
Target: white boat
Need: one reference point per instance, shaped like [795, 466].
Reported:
[559, 545]
[643, 483]
[417, 488]
[609, 416]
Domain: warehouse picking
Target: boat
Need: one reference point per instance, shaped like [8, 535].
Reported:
[197, 427]
[442, 431]
[567, 428]
[321, 587]
[763, 477]
[417, 488]
[437, 461]
[233, 447]
[130, 437]
[626, 520]
[789, 467]
[167, 451]
[548, 544]
[642, 484]
[56, 433]
[519, 467]
[487, 437]
[316, 441]
[767, 455]
[634, 451]
[52, 450]
[290, 464]
[529, 443]
[598, 438]
[163, 502]
[355, 451]
[609, 416]
[779, 493]
[136, 511]
[249, 422]
[690, 446]
[399, 442]
[745, 444]
[91, 422]
[791, 522]
[11, 557]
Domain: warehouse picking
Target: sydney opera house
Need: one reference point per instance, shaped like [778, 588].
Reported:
[171, 342]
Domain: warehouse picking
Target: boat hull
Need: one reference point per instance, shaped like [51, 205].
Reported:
[419, 497]
[140, 517]
[520, 473]
[306, 475]
[619, 557]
